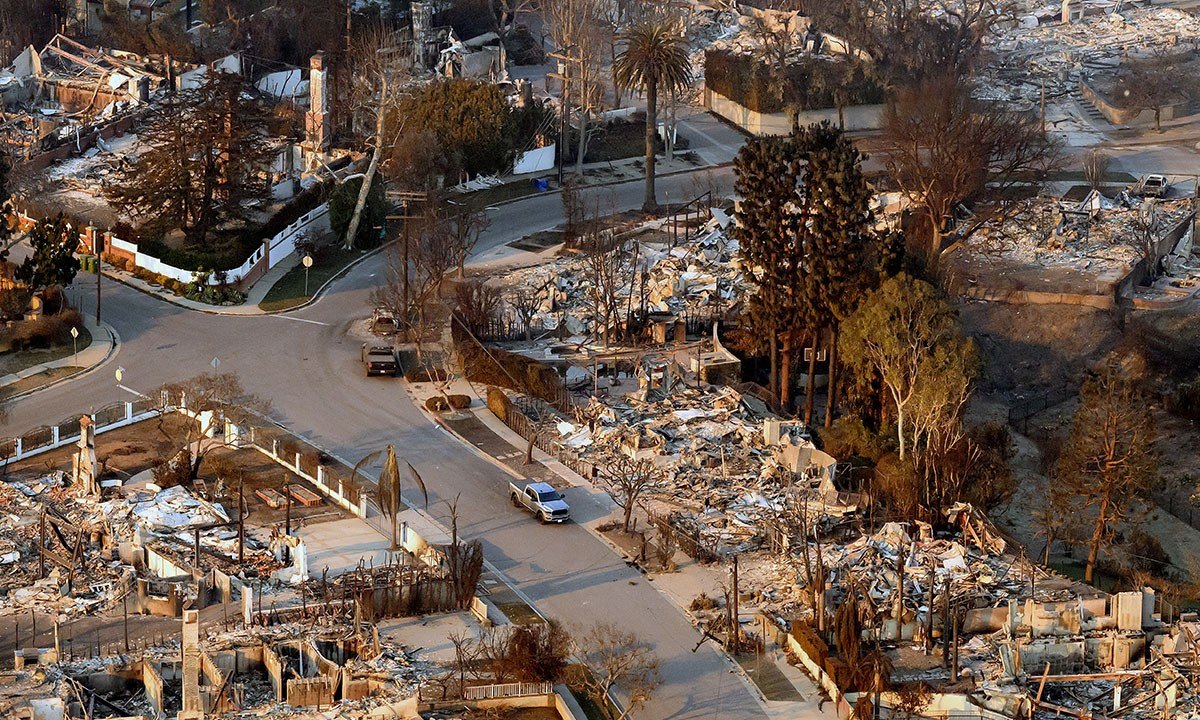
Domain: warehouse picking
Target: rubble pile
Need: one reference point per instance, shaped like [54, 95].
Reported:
[1092, 234]
[699, 274]
[83, 535]
[727, 465]
[1062, 54]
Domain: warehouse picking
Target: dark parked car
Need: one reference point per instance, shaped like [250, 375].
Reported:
[379, 360]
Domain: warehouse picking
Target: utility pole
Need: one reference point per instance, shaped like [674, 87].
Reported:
[125, 617]
[564, 76]
[406, 200]
[99, 243]
[241, 522]
[737, 625]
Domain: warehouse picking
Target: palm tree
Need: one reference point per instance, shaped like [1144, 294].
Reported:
[654, 58]
[387, 490]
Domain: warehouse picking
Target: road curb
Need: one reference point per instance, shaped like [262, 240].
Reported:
[735, 668]
[320, 292]
[610, 183]
[114, 341]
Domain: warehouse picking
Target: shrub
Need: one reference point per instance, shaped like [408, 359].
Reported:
[1185, 401]
[498, 403]
[436, 404]
[13, 302]
[459, 402]
[44, 332]
[849, 437]
[1146, 553]
[423, 375]
[703, 602]
[506, 369]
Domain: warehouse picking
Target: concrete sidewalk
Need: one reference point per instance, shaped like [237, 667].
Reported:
[504, 447]
[103, 345]
[249, 307]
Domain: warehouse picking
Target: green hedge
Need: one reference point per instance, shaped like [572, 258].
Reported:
[810, 83]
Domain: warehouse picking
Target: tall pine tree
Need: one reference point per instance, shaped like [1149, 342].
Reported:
[768, 183]
[844, 238]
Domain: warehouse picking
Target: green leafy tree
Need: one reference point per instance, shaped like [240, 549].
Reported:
[53, 262]
[654, 58]
[374, 215]
[907, 333]
[205, 162]
[471, 120]
[1108, 461]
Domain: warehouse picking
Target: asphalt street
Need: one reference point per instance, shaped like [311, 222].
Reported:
[308, 368]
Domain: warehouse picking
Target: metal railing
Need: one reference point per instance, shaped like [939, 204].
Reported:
[49, 437]
[507, 690]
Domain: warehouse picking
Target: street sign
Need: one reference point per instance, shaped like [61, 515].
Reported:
[215, 362]
[308, 261]
[74, 332]
[120, 373]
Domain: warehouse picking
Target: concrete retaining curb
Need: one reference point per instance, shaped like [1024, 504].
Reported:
[113, 341]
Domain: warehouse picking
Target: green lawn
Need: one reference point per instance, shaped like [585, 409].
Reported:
[289, 291]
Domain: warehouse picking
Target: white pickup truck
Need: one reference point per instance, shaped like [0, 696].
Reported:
[542, 500]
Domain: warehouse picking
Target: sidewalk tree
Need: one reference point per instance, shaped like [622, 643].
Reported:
[53, 262]
[1108, 461]
[205, 162]
[611, 658]
[1095, 168]
[466, 220]
[654, 59]
[210, 398]
[411, 283]
[388, 487]
[477, 305]
[627, 480]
